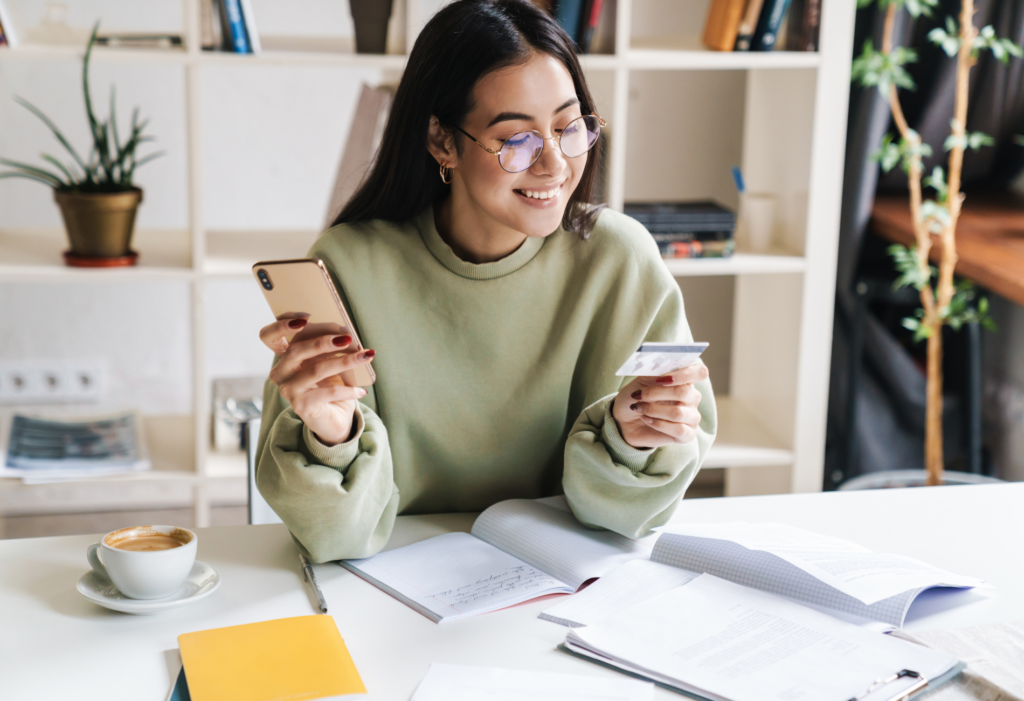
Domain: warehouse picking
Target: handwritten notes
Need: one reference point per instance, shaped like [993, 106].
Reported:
[455, 575]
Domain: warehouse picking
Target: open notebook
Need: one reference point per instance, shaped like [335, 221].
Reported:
[517, 550]
[831, 575]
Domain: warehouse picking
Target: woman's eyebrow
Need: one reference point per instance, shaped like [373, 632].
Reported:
[514, 116]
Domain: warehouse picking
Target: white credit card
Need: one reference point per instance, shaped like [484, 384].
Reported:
[656, 359]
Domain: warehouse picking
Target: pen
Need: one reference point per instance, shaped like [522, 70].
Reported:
[307, 574]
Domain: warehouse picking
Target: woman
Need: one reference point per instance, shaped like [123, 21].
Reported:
[501, 304]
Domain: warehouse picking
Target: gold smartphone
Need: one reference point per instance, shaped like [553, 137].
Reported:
[302, 289]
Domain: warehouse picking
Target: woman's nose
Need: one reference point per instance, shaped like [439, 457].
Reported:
[552, 160]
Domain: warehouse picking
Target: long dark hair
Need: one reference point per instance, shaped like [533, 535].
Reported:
[463, 42]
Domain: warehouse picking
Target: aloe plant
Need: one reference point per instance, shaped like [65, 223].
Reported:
[111, 164]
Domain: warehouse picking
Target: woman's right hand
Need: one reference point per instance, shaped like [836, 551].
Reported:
[302, 377]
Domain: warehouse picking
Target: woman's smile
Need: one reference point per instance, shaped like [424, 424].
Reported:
[541, 197]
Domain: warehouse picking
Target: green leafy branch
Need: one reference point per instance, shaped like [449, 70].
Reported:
[948, 38]
[965, 306]
[881, 69]
[111, 164]
[915, 7]
[903, 152]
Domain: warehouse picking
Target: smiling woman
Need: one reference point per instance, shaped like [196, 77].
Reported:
[498, 301]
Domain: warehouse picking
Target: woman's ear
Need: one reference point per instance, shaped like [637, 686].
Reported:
[441, 144]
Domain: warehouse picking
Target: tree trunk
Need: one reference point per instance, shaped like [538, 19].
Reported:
[933, 414]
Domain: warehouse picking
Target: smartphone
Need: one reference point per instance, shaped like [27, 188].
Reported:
[302, 289]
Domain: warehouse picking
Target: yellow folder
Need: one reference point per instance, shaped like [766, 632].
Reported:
[289, 658]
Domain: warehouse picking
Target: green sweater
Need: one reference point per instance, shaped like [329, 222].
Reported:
[494, 381]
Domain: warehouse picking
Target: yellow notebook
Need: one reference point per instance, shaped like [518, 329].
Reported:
[290, 658]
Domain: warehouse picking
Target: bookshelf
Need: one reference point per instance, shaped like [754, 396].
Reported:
[678, 115]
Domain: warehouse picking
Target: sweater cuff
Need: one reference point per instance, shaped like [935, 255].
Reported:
[337, 456]
[620, 451]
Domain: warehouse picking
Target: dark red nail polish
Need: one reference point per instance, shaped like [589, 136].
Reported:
[341, 341]
[634, 407]
[664, 380]
[296, 323]
[369, 354]
[637, 395]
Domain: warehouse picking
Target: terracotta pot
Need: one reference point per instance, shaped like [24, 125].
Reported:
[99, 225]
[370, 18]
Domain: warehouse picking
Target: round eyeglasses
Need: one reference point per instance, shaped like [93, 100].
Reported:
[520, 151]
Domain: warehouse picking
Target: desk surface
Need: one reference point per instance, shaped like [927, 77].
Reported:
[56, 645]
[989, 238]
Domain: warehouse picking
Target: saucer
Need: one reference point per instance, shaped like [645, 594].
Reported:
[202, 581]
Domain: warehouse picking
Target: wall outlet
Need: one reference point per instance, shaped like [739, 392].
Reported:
[52, 381]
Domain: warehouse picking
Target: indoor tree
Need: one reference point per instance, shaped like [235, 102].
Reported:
[944, 301]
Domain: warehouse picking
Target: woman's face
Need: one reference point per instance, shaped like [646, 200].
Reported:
[538, 95]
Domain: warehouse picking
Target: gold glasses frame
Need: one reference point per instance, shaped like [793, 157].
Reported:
[544, 140]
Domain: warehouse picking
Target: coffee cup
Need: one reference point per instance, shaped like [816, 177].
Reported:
[145, 562]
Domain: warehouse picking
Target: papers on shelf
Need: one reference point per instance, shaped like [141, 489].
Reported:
[847, 567]
[446, 682]
[43, 448]
[720, 640]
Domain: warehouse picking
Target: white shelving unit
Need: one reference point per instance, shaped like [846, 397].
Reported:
[678, 116]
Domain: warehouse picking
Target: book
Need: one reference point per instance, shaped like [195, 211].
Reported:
[589, 21]
[722, 24]
[682, 217]
[689, 236]
[517, 551]
[767, 32]
[140, 41]
[288, 658]
[49, 448]
[249, 19]
[711, 638]
[569, 14]
[841, 578]
[212, 37]
[745, 32]
[697, 249]
[364, 137]
[235, 27]
[7, 33]
[803, 25]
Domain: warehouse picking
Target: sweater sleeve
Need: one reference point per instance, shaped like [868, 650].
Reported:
[609, 483]
[339, 502]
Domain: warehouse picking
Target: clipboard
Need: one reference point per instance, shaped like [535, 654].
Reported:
[916, 689]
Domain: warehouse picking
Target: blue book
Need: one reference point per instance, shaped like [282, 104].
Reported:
[568, 15]
[766, 35]
[236, 25]
[179, 692]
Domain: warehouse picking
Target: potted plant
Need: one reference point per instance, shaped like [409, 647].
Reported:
[944, 300]
[96, 195]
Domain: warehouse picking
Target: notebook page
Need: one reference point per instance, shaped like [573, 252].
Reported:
[553, 541]
[767, 572]
[719, 639]
[454, 575]
[628, 584]
[843, 565]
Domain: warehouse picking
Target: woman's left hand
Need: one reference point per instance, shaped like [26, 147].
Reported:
[656, 411]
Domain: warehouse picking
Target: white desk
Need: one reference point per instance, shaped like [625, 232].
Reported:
[56, 645]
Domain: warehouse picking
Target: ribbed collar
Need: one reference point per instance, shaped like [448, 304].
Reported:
[475, 271]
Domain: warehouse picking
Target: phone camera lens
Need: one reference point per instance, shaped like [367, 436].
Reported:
[264, 279]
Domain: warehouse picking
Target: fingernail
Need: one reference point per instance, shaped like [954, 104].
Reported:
[634, 407]
[637, 395]
[647, 419]
[664, 380]
[360, 392]
[296, 323]
[341, 341]
[369, 354]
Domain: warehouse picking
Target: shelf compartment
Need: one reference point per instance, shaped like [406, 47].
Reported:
[737, 264]
[233, 253]
[36, 254]
[743, 441]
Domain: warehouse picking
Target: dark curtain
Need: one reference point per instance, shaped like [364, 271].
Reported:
[889, 429]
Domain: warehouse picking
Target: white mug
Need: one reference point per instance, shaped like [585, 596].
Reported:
[144, 574]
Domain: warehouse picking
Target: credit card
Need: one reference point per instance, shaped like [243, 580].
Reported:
[656, 359]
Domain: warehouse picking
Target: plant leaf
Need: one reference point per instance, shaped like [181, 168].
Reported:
[53, 128]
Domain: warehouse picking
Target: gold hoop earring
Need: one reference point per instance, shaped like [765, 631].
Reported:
[449, 174]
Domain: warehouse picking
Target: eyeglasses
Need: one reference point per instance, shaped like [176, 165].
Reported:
[520, 151]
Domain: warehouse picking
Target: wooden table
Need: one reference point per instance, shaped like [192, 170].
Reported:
[989, 238]
[56, 645]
